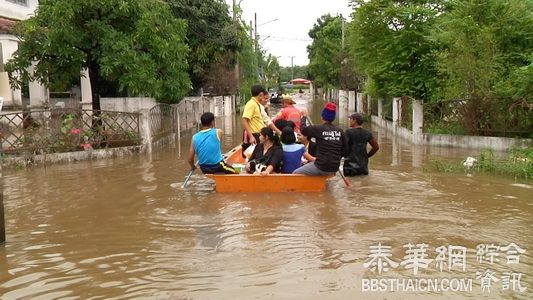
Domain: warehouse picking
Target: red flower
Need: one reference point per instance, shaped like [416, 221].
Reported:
[75, 131]
[86, 146]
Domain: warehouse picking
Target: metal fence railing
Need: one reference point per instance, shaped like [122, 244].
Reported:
[63, 130]
[475, 118]
[162, 120]
[374, 106]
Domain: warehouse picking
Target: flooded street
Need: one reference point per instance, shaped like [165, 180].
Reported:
[116, 229]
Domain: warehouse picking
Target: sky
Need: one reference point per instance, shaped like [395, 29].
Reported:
[288, 36]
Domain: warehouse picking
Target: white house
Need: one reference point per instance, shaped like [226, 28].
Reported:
[11, 11]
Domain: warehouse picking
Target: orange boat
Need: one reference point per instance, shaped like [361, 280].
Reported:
[255, 183]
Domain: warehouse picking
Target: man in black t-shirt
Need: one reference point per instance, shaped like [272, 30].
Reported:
[356, 160]
[330, 143]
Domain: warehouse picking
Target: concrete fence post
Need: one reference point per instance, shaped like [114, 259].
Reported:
[418, 121]
[145, 128]
[351, 101]
[396, 110]
[343, 99]
[227, 105]
[359, 104]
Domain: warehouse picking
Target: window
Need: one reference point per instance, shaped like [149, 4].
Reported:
[21, 2]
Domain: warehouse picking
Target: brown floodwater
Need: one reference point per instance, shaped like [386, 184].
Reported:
[116, 229]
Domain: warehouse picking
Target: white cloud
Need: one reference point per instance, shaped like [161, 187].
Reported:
[288, 35]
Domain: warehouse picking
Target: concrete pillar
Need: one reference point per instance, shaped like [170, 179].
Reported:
[5, 89]
[396, 110]
[86, 97]
[343, 99]
[351, 101]
[380, 108]
[418, 121]
[11, 96]
[85, 83]
[228, 105]
[38, 93]
[146, 130]
[359, 104]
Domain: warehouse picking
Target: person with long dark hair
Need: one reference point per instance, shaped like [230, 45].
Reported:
[267, 157]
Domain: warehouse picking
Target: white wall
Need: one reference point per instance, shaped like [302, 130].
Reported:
[127, 104]
[17, 11]
[14, 11]
[9, 46]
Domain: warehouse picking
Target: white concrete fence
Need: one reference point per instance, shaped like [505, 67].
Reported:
[358, 102]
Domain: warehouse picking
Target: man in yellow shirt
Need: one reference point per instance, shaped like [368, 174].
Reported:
[252, 120]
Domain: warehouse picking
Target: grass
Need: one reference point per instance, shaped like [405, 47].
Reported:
[445, 128]
[518, 163]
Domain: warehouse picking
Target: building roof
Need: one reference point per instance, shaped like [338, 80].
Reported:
[5, 25]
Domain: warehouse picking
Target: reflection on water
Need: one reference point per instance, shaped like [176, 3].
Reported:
[115, 229]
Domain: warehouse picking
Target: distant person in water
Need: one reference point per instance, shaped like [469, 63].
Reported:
[356, 160]
[206, 143]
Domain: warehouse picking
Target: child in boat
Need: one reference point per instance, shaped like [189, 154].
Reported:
[267, 153]
[310, 149]
[206, 143]
[292, 152]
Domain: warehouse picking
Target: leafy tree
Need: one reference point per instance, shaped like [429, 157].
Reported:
[288, 73]
[486, 57]
[325, 51]
[389, 43]
[136, 45]
[271, 72]
[214, 39]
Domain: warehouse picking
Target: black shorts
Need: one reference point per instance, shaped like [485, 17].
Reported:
[221, 167]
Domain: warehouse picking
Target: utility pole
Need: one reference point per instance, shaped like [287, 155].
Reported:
[292, 67]
[342, 30]
[251, 32]
[256, 34]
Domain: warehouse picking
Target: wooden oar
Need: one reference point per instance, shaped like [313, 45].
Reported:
[187, 179]
[184, 184]
[346, 182]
